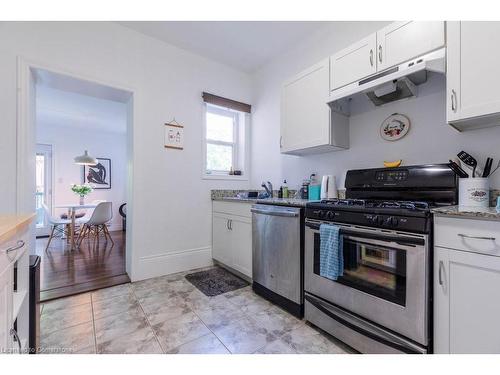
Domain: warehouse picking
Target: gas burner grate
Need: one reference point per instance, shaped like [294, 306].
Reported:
[344, 202]
[403, 205]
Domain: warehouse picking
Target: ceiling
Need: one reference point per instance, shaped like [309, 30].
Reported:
[71, 102]
[244, 45]
[71, 110]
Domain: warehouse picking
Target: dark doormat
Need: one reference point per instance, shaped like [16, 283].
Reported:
[215, 281]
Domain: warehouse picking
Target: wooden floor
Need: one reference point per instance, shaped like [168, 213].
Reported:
[64, 272]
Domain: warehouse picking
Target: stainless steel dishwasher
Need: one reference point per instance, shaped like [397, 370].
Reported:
[278, 255]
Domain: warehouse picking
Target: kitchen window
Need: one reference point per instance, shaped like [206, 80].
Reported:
[225, 140]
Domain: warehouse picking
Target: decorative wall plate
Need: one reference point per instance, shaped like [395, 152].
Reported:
[394, 127]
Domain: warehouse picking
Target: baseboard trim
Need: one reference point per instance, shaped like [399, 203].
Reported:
[176, 261]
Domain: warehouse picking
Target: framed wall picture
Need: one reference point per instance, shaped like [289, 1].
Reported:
[174, 135]
[99, 175]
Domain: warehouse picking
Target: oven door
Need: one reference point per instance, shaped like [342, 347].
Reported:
[385, 277]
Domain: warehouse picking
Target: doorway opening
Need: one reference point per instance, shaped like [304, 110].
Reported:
[81, 182]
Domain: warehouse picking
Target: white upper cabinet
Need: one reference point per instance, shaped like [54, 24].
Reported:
[390, 46]
[354, 62]
[473, 74]
[305, 116]
[405, 40]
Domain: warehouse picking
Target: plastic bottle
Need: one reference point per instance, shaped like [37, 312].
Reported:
[314, 188]
[305, 189]
[285, 189]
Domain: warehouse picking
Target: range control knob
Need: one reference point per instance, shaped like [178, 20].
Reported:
[330, 215]
[377, 220]
[321, 214]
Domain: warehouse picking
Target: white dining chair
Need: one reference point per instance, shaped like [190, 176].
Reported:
[96, 224]
[90, 211]
[57, 224]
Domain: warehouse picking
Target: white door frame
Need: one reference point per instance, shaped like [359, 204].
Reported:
[49, 184]
[26, 142]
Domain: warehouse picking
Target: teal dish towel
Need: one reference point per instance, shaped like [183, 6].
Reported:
[331, 256]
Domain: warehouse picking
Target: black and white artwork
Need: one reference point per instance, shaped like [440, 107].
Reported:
[99, 175]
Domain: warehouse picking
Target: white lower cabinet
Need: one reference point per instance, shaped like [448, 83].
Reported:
[466, 294]
[221, 241]
[14, 288]
[241, 243]
[232, 236]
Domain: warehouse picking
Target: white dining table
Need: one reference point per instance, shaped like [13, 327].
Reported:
[72, 208]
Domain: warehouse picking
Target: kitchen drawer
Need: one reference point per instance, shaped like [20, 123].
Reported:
[6, 259]
[477, 236]
[232, 208]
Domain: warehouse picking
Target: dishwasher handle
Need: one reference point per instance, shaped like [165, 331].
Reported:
[275, 212]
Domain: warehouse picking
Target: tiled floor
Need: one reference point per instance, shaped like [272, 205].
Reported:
[169, 315]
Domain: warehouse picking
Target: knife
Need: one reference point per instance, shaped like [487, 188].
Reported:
[458, 170]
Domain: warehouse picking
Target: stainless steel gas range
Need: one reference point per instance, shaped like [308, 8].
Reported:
[382, 302]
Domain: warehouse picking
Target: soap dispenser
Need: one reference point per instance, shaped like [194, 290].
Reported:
[285, 189]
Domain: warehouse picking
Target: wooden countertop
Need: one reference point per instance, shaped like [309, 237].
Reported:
[10, 224]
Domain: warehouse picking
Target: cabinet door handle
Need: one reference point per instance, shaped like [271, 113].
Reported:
[476, 237]
[281, 141]
[14, 334]
[17, 246]
[380, 52]
[230, 225]
[453, 100]
[371, 57]
[441, 265]
[227, 224]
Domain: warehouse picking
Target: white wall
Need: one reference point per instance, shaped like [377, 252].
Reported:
[430, 140]
[68, 142]
[171, 220]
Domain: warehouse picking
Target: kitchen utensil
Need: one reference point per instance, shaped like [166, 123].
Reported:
[487, 167]
[458, 170]
[468, 160]
[494, 170]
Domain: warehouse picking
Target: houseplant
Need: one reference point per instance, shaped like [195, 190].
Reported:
[82, 191]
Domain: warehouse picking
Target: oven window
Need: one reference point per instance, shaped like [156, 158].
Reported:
[377, 270]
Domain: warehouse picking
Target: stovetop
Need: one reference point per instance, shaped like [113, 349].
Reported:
[411, 216]
[372, 203]
[390, 198]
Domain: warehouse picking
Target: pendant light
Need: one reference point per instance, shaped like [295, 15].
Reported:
[85, 159]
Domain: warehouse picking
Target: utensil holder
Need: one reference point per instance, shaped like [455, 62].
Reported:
[474, 192]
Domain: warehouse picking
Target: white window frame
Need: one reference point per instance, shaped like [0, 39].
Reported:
[240, 144]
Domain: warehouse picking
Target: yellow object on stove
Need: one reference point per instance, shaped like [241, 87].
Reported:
[393, 164]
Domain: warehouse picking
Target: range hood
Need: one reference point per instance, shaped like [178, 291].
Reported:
[396, 83]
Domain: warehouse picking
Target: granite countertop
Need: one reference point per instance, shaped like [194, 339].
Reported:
[487, 213]
[295, 202]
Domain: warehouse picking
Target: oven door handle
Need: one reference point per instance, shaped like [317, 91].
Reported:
[363, 327]
[405, 241]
